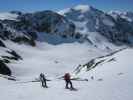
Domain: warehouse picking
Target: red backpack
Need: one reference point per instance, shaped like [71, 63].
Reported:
[67, 76]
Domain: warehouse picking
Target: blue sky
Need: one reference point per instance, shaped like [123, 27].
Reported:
[38, 5]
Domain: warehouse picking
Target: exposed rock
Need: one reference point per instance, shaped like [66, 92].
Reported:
[2, 44]
[4, 68]
[47, 21]
[14, 54]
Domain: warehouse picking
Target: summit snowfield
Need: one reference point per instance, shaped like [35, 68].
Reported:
[82, 8]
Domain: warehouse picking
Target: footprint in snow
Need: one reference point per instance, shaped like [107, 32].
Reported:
[56, 61]
[100, 79]
[120, 74]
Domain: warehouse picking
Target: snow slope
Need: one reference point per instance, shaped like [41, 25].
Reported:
[112, 80]
[51, 59]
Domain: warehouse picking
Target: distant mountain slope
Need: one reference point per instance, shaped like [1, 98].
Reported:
[89, 19]
[26, 26]
[78, 22]
[8, 16]
[125, 15]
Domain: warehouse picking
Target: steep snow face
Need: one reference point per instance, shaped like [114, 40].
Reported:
[7, 15]
[87, 18]
[99, 41]
[117, 30]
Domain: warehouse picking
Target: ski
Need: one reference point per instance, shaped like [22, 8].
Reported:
[36, 80]
[79, 79]
[12, 78]
[72, 89]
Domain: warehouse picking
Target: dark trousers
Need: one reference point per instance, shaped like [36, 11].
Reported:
[69, 82]
[44, 84]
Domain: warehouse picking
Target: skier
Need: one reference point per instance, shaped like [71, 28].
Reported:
[43, 80]
[67, 79]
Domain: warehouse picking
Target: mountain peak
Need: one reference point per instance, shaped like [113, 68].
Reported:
[82, 8]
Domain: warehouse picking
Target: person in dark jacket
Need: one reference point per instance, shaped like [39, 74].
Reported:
[67, 79]
[43, 80]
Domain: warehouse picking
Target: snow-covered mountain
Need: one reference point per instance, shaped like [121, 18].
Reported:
[89, 19]
[28, 27]
[47, 21]
[81, 40]
[125, 15]
[81, 24]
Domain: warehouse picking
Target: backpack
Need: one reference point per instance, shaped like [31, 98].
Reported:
[67, 76]
[42, 77]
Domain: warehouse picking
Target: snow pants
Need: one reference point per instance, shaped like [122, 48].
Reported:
[68, 82]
